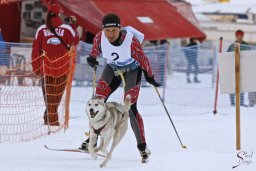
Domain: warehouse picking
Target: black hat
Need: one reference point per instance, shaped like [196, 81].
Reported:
[111, 20]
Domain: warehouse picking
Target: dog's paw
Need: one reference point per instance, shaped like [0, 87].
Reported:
[97, 149]
[104, 152]
[94, 156]
[103, 164]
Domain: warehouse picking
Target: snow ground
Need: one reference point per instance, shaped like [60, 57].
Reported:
[210, 139]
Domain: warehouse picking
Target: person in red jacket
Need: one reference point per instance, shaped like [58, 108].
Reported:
[51, 59]
[123, 50]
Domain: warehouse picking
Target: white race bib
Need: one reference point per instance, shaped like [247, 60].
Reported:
[118, 55]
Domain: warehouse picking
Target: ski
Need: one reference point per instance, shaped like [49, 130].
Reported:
[76, 150]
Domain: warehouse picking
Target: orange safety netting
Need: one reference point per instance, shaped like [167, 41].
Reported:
[33, 104]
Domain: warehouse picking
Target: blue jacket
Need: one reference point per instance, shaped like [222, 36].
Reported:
[3, 55]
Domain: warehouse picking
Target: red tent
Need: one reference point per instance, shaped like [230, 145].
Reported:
[10, 15]
[157, 19]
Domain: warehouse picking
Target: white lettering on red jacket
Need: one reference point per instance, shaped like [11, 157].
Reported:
[51, 45]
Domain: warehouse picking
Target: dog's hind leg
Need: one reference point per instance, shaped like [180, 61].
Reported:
[93, 138]
[123, 130]
[118, 135]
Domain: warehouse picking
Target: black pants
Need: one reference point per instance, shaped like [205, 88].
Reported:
[109, 83]
[232, 98]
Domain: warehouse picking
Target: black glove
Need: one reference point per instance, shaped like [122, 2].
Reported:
[92, 61]
[150, 80]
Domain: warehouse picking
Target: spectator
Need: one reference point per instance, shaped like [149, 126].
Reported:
[51, 45]
[162, 61]
[191, 53]
[89, 37]
[2, 49]
[244, 46]
[4, 63]
[252, 98]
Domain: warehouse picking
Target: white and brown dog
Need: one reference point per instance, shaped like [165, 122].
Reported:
[110, 122]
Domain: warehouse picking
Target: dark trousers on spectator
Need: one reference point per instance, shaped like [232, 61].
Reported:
[53, 89]
[232, 99]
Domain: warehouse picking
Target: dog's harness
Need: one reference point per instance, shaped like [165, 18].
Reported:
[97, 131]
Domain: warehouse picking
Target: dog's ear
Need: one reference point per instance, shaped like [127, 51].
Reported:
[89, 101]
[102, 102]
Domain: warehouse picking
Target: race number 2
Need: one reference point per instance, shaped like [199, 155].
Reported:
[115, 55]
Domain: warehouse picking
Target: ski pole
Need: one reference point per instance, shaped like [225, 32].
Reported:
[183, 146]
[123, 80]
[93, 90]
[94, 81]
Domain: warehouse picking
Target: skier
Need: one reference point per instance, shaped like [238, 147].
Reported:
[123, 50]
[53, 40]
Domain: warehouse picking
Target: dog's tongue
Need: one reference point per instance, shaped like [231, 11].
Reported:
[93, 114]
